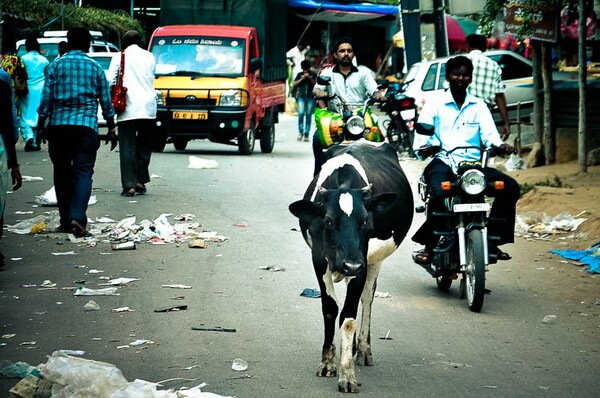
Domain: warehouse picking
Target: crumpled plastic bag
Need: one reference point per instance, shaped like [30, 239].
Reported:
[199, 163]
[48, 198]
[514, 162]
[42, 223]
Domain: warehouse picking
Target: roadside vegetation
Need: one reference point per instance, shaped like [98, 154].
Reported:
[555, 183]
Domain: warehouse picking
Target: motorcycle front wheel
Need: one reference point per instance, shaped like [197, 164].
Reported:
[475, 270]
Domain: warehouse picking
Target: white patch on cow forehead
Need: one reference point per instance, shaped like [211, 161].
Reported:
[346, 203]
[337, 163]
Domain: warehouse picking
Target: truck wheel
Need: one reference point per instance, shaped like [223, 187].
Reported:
[180, 144]
[267, 139]
[246, 141]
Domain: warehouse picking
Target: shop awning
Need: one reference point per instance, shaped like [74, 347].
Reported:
[332, 11]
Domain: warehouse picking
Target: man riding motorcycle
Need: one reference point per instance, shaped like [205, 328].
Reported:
[350, 84]
[457, 119]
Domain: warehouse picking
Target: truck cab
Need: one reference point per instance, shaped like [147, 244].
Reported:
[208, 86]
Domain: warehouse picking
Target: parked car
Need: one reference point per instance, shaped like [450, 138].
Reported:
[427, 79]
[103, 58]
[49, 44]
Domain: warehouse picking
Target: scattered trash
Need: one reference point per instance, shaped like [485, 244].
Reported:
[176, 286]
[91, 306]
[241, 225]
[72, 352]
[28, 285]
[199, 163]
[140, 342]
[312, 293]
[95, 271]
[84, 291]
[536, 222]
[8, 336]
[197, 243]
[514, 162]
[387, 336]
[48, 198]
[31, 178]
[32, 386]
[38, 228]
[48, 283]
[213, 329]
[17, 369]
[29, 343]
[239, 365]
[123, 246]
[184, 217]
[172, 308]
[122, 309]
[70, 253]
[119, 281]
[271, 268]
[589, 257]
[48, 221]
[383, 295]
[549, 319]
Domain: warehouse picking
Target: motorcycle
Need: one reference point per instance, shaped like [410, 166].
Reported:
[402, 113]
[345, 123]
[462, 248]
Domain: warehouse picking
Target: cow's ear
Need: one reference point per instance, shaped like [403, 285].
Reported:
[381, 203]
[306, 210]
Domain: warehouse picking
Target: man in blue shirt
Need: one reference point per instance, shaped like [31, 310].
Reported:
[75, 84]
[460, 119]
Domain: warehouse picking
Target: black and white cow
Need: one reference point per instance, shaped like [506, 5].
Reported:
[354, 214]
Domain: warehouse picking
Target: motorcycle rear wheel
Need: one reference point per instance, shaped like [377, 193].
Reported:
[475, 270]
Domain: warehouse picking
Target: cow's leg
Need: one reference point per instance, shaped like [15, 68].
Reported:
[347, 380]
[364, 356]
[329, 309]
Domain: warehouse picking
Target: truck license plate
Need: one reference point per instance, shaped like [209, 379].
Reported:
[465, 207]
[190, 115]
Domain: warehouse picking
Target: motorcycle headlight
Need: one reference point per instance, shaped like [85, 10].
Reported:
[160, 99]
[231, 98]
[473, 182]
[355, 126]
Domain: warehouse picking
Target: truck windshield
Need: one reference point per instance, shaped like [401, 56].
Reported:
[198, 56]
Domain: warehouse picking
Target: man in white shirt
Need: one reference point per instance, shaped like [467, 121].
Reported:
[461, 119]
[351, 85]
[295, 56]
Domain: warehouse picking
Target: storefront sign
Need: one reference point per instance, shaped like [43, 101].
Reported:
[544, 20]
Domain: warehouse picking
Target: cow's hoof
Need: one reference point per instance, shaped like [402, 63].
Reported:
[327, 370]
[364, 359]
[347, 386]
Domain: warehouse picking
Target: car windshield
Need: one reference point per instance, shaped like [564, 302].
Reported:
[198, 56]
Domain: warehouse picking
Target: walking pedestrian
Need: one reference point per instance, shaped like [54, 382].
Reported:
[8, 154]
[135, 123]
[303, 87]
[35, 65]
[75, 84]
[15, 69]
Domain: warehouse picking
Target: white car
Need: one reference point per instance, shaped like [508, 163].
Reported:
[49, 44]
[427, 79]
[103, 58]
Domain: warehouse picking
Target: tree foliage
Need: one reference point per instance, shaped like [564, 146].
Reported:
[39, 13]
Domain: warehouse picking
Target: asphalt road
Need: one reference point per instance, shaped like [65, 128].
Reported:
[437, 347]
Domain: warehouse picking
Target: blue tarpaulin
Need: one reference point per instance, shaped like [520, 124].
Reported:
[386, 9]
[589, 257]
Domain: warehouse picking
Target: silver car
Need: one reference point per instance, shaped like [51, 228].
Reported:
[427, 79]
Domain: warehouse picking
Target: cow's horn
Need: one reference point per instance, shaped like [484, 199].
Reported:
[367, 189]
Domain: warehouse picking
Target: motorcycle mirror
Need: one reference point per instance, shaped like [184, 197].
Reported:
[383, 84]
[425, 129]
[323, 80]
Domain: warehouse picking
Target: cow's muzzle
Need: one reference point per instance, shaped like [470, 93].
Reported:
[351, 269]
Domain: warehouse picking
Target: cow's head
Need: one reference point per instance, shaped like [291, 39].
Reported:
[340, 223]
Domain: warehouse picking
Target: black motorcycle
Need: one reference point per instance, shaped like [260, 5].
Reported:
[462, 248]
[402, 118]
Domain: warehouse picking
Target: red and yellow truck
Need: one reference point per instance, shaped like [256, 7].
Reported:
[220, 73]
